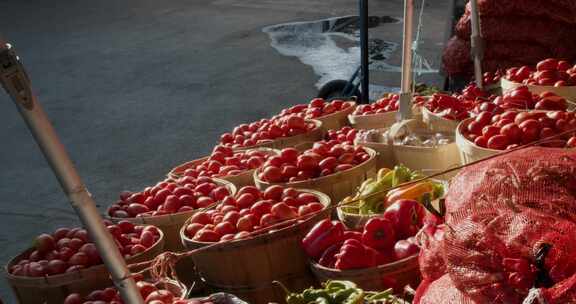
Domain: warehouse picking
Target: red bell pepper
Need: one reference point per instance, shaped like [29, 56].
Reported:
[349, 234]
[406, 216]
[328, 258]
[324, 234]
[379, 234]
[353, 255]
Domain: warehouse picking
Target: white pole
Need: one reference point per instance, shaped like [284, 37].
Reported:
[16, 83]
[477, 45]
[405, 111]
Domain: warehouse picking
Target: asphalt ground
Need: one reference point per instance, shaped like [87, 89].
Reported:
[136, 87]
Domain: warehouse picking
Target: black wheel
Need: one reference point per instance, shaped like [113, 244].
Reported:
[334, 88]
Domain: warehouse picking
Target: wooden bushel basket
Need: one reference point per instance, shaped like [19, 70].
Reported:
[437, 123]
[470, 152]
[384, 152]
[170, 224]
[250, 265]
[284, 142]
[245, 178]
[373, 121]
[54, 289]
[338, 119]
[392, 275]
[338, 185]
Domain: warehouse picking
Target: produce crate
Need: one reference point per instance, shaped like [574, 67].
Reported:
[247, 267]
[338, 185]
[373, 121]
[55, 288]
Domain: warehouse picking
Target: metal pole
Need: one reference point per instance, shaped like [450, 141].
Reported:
[405, 109]
[477, 44]
[364, 64]
[17, 84]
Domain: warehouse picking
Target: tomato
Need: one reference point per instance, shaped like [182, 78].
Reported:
[272, 174]
[201, 218]
[45, 243]
[512, 131]
[205, 201]
[245, 200]
[475, 127]
[304, 210]
[509, 115]
[571, 142]
[317, 103]
[192, 228]
[79, 258]
[546, 133]
[289, 154]
[164, 296]
[268, 220]
[404, 249]
[225, 228]
[315, 206]
[502, 122]
[481, 141]
[145, 288]
[242, 235]
[246, 223]
[273, 192]
[328, 163]
[283, 211]
[306, 198]
[206, 235]
[483, 118]
[547, 64]
[135, 209]
[55, 267]
[346, 158]
[296, 122]
[232, 217]
[289, 171]
[60, 233]
[489, 131]
[306, 162]
[498, 142]
[91, 253]
[261, 207]
[563, 65]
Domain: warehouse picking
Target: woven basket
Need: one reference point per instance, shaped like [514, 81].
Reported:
[251, 265]
[338, 185]
[243, 179]
[373, 121]
[338, 119]
[393, 275]
[470, 152]
[284, 142]
[437, 123]
[54, 289]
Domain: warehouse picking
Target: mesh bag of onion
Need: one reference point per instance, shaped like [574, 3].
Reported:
[509, 235]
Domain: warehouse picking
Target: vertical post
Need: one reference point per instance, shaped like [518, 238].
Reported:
[16, 83]
[405, 109]
[477, 44]
[364, 64]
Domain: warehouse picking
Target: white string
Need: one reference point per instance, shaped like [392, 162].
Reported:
[418, 61]
[534, 297]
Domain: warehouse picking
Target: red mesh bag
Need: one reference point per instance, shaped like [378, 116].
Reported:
[519, 28]
[456, 58]
[510, 233]
[441, 291]
[430, 258]
[560, 10]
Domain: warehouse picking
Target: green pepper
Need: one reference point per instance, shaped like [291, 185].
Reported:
[375, 297]
[291, 297]
[372, 202]
[344, 295]
[322, 301]
[401, 175]
[337, 285]
[311, 294]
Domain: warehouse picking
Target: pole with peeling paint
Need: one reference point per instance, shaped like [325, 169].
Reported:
[405, 107]
[17, 84]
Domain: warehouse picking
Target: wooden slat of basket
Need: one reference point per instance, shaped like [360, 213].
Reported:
[338, 119]
[469, 152]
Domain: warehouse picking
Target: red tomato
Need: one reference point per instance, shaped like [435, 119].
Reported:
[164, 296]
[513, 132]
[232, 217]
[246, 223]
[192, 228]
[306, 162]
[328, 163]
[272, 174]
[563, 65]
[498, 142]
[306, 198]
[571, 142]
[245, 200]
[289, 154]
[207, 235]
[547, 64]
[283, 211]
[273, 192]
[261, 207]
[225, 228]
[484, 118]
[343, 167]
[268, 220]
[489, 131]
[475, 127]
[201, 218]
[481, 141]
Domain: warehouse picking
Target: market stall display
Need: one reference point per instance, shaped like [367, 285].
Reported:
[257, 235]
[280, 132]
[329, 167]
[236, 167]
[67, 261]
